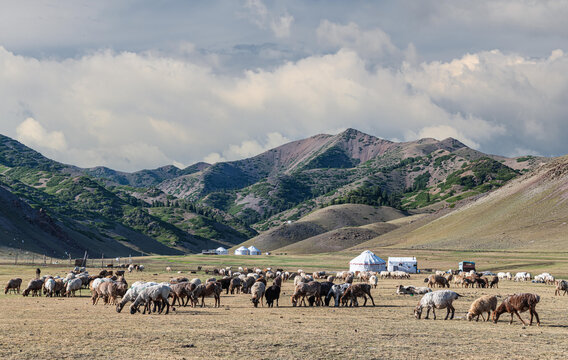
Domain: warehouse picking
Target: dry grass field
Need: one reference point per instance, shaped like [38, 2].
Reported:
[70, 328]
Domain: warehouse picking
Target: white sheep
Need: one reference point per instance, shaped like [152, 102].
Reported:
[49, 286]
[373, 281]
[72, 286]
[441, 299]
[257, 292]
[150, 294]
[485, 304]
[133, 292]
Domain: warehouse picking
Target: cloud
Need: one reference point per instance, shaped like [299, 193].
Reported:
[131, 111]
[374, 43]
[32, 133]
[259, 15]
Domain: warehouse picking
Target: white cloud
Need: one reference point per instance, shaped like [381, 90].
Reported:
[281, 26]
[373, 43]
[32, 133]
[142, 110]
[259, 15]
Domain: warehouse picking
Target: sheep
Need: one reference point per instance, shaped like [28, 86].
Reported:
[108, 291]
[494, 282]
[247, 284]
[385, 274]
[312, 288]
[325, 288]
[236, 284]
[485, 304]
[277, 281]
[49, 286]
[14, 285]
[272, 293]
[72, 286]
[522, 276]
[168, 269]
[516, 303]
[150, 294]
[440, 273]
[412, 290]
[373, 281]
[133, 293]
[34, 286]
[178, 280]
[358, 290]
[206, 290]
[561, 285]
[437, 280]
[441, 299]
[225, 284]
[257, 292]
[179, 292]
[336, 292]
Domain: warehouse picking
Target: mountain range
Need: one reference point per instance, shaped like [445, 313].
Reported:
[55, 209]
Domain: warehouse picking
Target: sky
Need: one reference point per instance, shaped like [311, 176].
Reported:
[135, 85]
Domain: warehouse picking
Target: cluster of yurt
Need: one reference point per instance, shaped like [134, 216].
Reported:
[251, 250]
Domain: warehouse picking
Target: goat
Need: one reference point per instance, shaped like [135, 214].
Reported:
[513, 304]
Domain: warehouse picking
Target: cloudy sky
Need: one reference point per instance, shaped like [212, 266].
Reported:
[142, 84]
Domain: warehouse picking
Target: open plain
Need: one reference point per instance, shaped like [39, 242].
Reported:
[41, 327]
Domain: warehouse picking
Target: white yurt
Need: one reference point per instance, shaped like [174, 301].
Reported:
[406, 264]
[242, 251]
[221, 251]
[367, 261]
[253, 250]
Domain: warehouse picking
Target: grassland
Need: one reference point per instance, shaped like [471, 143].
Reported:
[70, 328]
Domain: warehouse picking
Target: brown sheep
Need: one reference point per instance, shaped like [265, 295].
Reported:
[179, 292]
[561, 285]
[437, 280]
[494, 282]
[313, 288]
[358, 290]
[485, 304]
[513, 304]
[212, 289]
[14, 285]
[236, 284]
[35, 286]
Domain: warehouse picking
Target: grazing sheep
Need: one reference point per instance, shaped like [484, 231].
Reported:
[272, 293]
[325, 288]
[108, 291]
[441, 299]
[179, 292]
[211, 289]
[412, 290]
[336, 292]
[561, 285]
[72, 286]
[358, 290]
[373, 281]
[133, 293]
[178, 280]
[485, 304]
[14, 285]
[225, 284]
[247, 284]
[34, 286]
[513, 304]
[257, 292]
[312, 288]
[494, 282]
[437, 280]
[49, 286]
[385, 274]
[236, 284]
[150, 294]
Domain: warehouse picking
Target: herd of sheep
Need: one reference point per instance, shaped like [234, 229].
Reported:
[148, 297]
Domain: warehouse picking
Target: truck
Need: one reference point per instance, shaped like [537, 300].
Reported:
[466, 266]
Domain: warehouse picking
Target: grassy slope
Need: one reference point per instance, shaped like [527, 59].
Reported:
[528, 213]
[322, 221]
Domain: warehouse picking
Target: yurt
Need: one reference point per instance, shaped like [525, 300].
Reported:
[242, 251]
[406, 264]
[221, 251]
[367, 261]
[253, 250]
